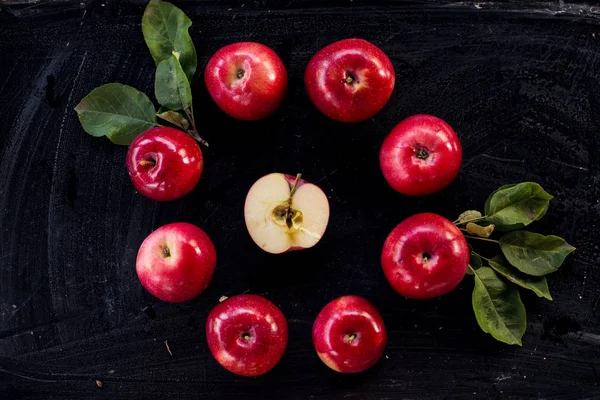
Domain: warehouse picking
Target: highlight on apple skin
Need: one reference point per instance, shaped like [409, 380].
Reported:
[349, 334]
[247, 80]
[425, 256]
[421, 155]
[285, 213]
[176, 262]
[164, 163]
[350, 80]
[247, 334]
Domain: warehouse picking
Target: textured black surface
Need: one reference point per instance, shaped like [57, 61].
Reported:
[519, 84]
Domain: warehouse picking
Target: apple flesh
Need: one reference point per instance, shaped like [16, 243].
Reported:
[284, 213]
[350, 80]
[247, 334]
[176, 262]
[164, 163]
[420, 156]
[349, 334]
[247, 80]
[425, 256]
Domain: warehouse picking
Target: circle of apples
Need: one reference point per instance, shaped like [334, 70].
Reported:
[349, 81]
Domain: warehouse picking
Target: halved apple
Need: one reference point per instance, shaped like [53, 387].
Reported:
[285, 213]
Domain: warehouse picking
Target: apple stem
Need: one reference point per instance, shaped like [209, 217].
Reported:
[479, 238]
[351, 338]
[145, 163]
[194, 132]
[295, 186]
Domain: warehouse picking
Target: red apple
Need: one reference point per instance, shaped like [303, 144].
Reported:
[349, 334]
[425, 256]
[164, 163]
[350, 80]
[247, 80]
[176, 262]
[247, 334]
[284, 212]
[420, 156]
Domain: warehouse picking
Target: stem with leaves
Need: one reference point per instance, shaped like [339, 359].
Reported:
[525, 260]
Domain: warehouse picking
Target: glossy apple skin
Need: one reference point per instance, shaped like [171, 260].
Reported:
[164, 163]
[256, 94]
[337, 321]
[372, 75]
[255, 316]
[400, 160]
[187, 269]
[434, 237]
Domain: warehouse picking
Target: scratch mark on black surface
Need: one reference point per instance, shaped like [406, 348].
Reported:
[10, 73]
[446, 88]
[16, 310]
[13, 253]
[568, 165]
[30, 378]
[511, 160]
[329, 183]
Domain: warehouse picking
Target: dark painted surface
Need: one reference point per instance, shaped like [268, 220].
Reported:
[520, 87]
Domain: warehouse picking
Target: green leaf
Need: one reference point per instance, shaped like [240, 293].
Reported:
[171, 86]
[469, 215]
[116, 111]
[516, 206]
[174, 118]
[486, 207]
[165, 29]
[534, 254]
[538, 285]
[498, 307]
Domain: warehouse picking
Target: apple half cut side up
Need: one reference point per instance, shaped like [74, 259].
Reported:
[285, 213]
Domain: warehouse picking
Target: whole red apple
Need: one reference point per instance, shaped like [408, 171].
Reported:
[164, 163]
[425, 256]
[176, 262]
[349, 334]
[247, 80]
[246, 334]
[350, 80]
[421, 155]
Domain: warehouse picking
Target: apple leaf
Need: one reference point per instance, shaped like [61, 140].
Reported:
[534, 254]
[174, 118]
[515, 206]
[468, 216]
[171, 86]
[498, 307]
[165, 29]
[538, 285]
[119, 112]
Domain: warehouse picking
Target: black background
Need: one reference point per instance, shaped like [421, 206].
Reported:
[519, 83]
